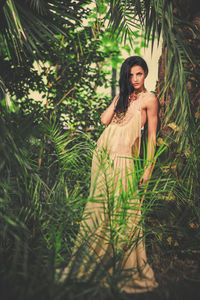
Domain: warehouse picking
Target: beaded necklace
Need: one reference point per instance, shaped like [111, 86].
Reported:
[133, 97]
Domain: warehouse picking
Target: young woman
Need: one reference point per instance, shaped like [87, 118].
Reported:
[111, 226]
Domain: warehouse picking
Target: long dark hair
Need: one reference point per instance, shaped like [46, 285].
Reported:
[126, 88]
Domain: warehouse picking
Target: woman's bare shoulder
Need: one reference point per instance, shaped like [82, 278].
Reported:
[150, 99]
[150, 95]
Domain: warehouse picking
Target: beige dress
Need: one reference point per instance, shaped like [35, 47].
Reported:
[111, 226]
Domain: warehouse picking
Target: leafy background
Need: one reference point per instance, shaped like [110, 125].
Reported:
[46, 143]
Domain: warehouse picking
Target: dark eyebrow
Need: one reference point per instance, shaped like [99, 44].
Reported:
[136, 73]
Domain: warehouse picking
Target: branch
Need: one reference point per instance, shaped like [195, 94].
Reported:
[65, 95]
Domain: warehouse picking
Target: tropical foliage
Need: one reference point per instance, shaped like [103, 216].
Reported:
[29, 28]
[46, 158]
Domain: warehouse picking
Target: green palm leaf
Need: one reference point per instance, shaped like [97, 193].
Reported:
[32, 26]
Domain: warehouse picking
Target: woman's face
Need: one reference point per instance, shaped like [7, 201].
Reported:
[137, 77]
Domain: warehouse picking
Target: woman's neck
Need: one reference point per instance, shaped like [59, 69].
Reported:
[136, 93]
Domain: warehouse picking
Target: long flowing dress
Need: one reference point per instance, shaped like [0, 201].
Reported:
[111, 226]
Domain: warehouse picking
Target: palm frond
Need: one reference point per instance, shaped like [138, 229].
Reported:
[123, 20]
[33, 25]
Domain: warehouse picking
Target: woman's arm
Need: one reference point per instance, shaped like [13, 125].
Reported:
[152, 116]
[107, 115]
